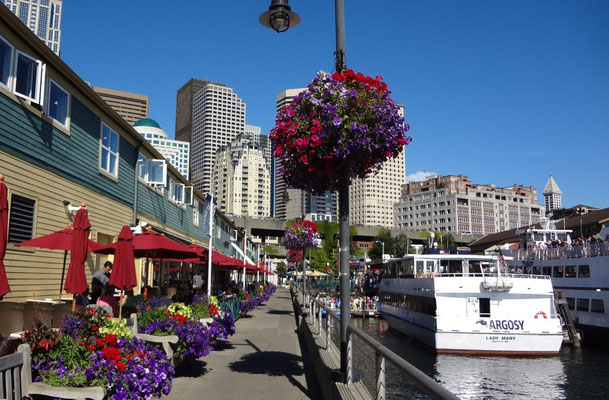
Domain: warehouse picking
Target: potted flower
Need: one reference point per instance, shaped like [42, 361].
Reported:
[343, 125]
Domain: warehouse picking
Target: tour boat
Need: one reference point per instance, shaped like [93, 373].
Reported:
[468, 304]
[579, 270]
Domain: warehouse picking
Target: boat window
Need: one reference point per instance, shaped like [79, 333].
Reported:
[547, 271]
[391, 273]
[571, 303]
[583, 304]
[485, 307]
[429, 266]
[597, 306]
[570, 271]
[527, 269]
[474, 267]
[406, 268]
[584, 271]
[558, 272]
[420, 264]
[536, 270]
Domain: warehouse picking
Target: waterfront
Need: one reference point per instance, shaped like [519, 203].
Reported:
[574, 374]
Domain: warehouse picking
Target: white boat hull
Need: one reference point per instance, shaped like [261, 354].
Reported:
[479, 343]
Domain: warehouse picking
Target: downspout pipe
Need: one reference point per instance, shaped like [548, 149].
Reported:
[136, 179]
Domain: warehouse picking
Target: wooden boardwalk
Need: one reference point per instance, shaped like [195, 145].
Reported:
[262, 360]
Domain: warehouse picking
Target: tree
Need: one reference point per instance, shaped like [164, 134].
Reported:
[270, 250]
[384, 236]
[319, 259]
[401, 244]
[281, 268]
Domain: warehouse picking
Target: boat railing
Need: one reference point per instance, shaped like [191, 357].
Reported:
[511, 274]
[556, 253]
[316, 310]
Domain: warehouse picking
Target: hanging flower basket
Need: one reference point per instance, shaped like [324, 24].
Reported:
[342, 123]
[301, 235]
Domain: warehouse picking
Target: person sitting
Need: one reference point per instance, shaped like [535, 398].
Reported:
[182, 295]
[108, 299]
[82, 299]
[198, 282]
[131, 302]
[99, 280]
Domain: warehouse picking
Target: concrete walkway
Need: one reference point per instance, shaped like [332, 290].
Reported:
[262, 360]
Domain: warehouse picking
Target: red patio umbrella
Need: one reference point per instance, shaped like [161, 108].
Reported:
[150, 244]
[123, 270]
[76, 281]
[59, 240]
[4, 286]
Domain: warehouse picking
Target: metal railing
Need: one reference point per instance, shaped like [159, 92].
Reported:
[554, 253]
[315, 310]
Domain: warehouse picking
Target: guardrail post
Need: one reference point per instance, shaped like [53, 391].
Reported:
[319, 315]
[349, 377]
[380, 377]
[327, 329]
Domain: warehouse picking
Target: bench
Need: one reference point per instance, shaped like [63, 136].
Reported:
[16, 372]
[165, 341]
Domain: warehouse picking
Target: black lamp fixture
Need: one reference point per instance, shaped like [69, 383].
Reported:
[279, 17]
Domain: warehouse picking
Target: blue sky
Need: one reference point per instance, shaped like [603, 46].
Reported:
[502, 91]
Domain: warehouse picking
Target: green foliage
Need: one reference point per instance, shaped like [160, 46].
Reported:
[154, 314]
[281, 268]
[401, 244]
[200, 310]
[319, 260]
[75, 379]
[73, 353]
[117, 327]
[270, 250]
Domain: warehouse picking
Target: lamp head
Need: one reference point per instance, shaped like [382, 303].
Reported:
[279, 17]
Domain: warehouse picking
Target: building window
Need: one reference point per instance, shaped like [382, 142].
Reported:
[58, 103]
[21, 226]
[28, 72]
[195, 213]
[6, 61]
[597, 306]
[583, 304]
[108, 161]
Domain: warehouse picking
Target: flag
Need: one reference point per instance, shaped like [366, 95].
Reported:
[502, 263]
[209, 209]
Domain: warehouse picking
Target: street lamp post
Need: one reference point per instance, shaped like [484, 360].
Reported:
[280, 17]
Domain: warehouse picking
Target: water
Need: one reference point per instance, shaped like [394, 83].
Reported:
[574, 374]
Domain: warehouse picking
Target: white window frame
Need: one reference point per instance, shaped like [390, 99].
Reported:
[146, 164]
[110, 152]
[7, 85]
[173, 193]
[39, 85]
[196, 215]
[48, 103]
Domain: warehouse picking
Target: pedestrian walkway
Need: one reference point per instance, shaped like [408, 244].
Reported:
[261, 360]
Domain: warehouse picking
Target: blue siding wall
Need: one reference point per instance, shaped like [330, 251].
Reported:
[74, 157]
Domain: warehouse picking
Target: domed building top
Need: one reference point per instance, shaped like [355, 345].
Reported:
[147, 122]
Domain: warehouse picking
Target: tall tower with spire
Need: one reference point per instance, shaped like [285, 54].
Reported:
[552, 195]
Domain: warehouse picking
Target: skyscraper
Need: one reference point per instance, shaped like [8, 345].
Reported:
[242, 181]
[131, 106]
[290, 203]
[43, 17]
[371, 200]
[208, 115]
[174, 151]
[552, 195]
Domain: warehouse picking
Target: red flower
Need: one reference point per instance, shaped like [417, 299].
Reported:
[110, 339]
[121, 367]
[95, 328]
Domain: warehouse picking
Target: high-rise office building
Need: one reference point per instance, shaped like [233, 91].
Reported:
[131, 106]
[242, 180]
[552, 195]
[290, 203]
[453, 204]
[371, 200]
[208, 115]
[43, 17]
[174, 151]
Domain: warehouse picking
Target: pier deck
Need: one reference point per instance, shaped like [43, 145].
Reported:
[262, 360]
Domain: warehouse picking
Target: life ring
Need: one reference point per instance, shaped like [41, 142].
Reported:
[543, 314]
